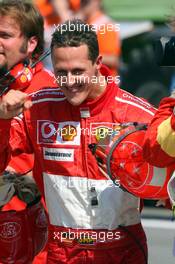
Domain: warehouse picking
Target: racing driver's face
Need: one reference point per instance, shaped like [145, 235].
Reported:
[75, 73]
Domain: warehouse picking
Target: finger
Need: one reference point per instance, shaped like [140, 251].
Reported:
[28, 104]
[14, 97]
[13, 105]
[11, 114]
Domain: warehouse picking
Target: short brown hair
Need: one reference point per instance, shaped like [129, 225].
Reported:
[28, 18]
[74, 33]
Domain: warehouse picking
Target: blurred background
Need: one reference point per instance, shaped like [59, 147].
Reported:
[142, 23]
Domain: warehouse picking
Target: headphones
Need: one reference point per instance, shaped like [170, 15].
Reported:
[23, 74]
[20, 76]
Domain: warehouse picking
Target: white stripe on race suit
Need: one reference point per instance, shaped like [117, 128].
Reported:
[68, 201]
[171, 189]
[45, 90]
[49, 100]
[159, 176]
[134, 104]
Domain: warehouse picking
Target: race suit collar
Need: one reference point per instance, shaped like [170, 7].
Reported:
[93, 107]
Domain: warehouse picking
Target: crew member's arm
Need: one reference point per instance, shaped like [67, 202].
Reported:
[109, 46]
[159, 144]
[62, 9]
[12, 130]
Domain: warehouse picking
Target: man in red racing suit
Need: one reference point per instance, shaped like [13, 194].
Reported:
[158, 148]
[23, 163]
[91, 220]
[160, 138]
[21, 44]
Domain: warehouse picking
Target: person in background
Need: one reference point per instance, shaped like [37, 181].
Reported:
[21, 42]
[107, 32]
[159, 142]
[55, 12]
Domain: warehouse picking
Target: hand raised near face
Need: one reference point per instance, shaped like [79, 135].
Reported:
[13, 103]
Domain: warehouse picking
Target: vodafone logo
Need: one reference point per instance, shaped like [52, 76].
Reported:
[48, 130]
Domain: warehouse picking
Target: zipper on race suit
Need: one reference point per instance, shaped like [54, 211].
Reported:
[91, 190]
[84, 143]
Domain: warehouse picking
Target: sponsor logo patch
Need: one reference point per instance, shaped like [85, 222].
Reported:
[63, 133]
[103, 130]
[9, 230]
[58, 154]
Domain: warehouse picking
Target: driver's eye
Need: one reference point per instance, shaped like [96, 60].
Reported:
[77, 72]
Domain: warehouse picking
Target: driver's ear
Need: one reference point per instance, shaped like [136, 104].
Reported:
[99, 62]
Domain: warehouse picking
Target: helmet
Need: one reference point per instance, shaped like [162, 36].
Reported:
[23, 221]
[119, 157]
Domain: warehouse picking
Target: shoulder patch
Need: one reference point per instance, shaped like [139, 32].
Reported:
[127, 98]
